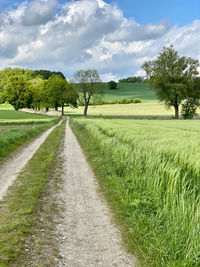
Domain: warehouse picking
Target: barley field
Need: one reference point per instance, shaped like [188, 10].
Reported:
[149, 171]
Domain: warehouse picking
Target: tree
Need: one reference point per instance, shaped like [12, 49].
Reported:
[60, 92]
[112, 85]
[172, 77]
[89, 86]
[18, 92]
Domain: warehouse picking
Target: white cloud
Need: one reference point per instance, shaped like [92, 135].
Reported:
[86, 34]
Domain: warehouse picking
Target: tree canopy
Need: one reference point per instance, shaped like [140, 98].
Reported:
[89, 86]
[173, 78]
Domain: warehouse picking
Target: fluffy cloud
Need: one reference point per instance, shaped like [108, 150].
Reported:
[86, 34]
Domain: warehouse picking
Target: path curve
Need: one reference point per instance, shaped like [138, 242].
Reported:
[17, 161]
[89, 237]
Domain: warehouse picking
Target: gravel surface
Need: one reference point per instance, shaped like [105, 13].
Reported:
[88, 235]
[17, 161]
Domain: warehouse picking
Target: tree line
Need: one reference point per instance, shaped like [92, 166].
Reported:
[39, 89]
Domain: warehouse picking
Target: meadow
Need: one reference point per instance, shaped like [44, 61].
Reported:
[149, 172]
[131, 90]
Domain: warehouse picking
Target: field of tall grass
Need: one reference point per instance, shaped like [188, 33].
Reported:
[149, 172]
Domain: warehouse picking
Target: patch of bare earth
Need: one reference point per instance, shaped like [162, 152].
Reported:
[88, 237]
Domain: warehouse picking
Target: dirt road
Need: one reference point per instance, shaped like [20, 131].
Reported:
[17, 161]
[88, 236]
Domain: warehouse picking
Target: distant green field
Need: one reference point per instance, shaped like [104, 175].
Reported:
[19, 117]
[146, 110]
[131, 90]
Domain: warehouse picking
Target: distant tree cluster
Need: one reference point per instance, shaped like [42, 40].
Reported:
[36, 89]
[134, 79]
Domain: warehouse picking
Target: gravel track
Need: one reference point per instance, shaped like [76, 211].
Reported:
[17, 161]
[88, 235]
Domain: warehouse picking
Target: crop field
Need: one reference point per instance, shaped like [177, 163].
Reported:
[149, 172]
[140, 110]
[131, 90]
[19, 117]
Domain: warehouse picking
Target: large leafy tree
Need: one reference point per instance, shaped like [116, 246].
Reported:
[60, 92]
[89, 86]
[172, 77]
[18, 92]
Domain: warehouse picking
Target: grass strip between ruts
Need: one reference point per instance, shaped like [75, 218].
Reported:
[19, 206]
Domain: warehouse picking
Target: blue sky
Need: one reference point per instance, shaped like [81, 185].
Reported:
[175, 11]
[178, 12]
[114, 37]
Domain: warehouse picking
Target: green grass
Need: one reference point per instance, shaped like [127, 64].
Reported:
[131, 90]
[140, 110]
[19, 117]
[13, 137]
[149, 172]
[6, 106]
[18, 208]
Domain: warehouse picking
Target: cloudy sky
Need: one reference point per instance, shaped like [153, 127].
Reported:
[114, 37]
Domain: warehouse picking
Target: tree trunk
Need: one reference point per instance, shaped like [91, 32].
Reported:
[86, 109]
[47, 109]
[56, 106]
[176, 112]
[63, 109]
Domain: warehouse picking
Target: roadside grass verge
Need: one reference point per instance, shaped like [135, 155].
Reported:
[151, 181]
[19, 207]
[11, 139]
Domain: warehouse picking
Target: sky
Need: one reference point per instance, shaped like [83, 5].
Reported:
[114, 37]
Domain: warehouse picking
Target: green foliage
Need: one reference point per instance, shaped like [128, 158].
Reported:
[18, 92]
[112, 85]
[46, 74]
[150, 177]
[172, 77]
[101, 101]
[137, 79]
[189, 108]
[89, 86]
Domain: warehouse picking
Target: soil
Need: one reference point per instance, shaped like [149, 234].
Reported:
[88, 236]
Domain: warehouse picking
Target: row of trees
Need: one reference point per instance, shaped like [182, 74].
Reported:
[133, 79]
[46, 89]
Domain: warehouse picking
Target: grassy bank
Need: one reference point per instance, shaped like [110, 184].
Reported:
[149, 172]
[19, 206]
[131, 90]
[13, 137]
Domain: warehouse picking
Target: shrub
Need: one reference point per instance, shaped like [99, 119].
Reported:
[189, 108]
[112, 85]
[137, 100]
